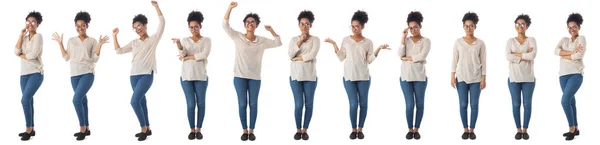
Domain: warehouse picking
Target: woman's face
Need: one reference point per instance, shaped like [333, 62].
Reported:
[81, 27]
[195, 27]
[521, 26]
[414, 28]
[139, 28]
[31, 24]
[304, 25]
[250, 24]
[356, 27]
[469, 27]
[573, 28]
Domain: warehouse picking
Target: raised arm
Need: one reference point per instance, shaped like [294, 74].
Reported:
[98, 47]
[161, 25]
[272, 43]
[59, 39]
[118, 48]
[20, 42]
[230, 32]
[341, 53]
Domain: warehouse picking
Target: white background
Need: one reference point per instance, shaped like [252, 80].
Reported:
[112, 119]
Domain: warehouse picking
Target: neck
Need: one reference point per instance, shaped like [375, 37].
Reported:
[31, 33]
[470, 36]
[83, 36]
[250, 35]
[521, 36]
[572, 37]
[143, 37]
[417, 36]
[359, 35]
[196, 35]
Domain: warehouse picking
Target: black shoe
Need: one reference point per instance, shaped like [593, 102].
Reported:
[251, 137]
[570, 136]
[564, 134]
[143, 136]
[518, 136]
[472, 136]
[199, 135]
[297, 136]
[360, 135]
[353, 135]
[23, 133]
[244, 137]
[305, 136]
[465, 135]
[148, 133]
[26, 136]
[192, 136]
[525, 136]
[417, 135]
[410, 135]
[87, 133]
[80, 136]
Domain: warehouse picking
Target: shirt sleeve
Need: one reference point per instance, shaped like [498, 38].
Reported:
[161, 28]
[293, 49]
[509, 54]
[341, 54]
[370, 55]
[579, 55]
[233, 34]
[558, 46]
[125, 49]
[94, 51]
[423, 53]
[530, 55]
[272, 43]
[205, 50]
[483, 58]
[316, 44]
[455, 56]
[36, 47]
[67, 57]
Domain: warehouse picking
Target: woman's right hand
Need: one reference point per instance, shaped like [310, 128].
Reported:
[233, 5]
[115, 31]
[329, 40]
[176, 40]
[57, 38]
[453, 82]
[405, 33]
[24, 31]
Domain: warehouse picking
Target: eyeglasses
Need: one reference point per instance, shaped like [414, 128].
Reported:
[250, 22]
[522, 25]
[30, 22]
[414, 28]
[81, 26]
[572, 28]
[304, 25]
[194, 27]
[469, 26]
[135, 28]
[355, 26]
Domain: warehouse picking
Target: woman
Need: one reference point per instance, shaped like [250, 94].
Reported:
[571, 51]
[83, 53]
[303, 75]
[193, 51]
[249, 49]
[357, 53]
[520, 52]
[413, 79]
[143, 65]
[468, 72]
[29, 49]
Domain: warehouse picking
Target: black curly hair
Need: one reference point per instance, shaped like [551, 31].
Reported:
[361, 17]
[414, 16]
[195, 16]
[36, 15]
[140, 18]
[525, 18]
[85, 16]
[252, 15]
[308, 15]
[472, 17]
[575, 17]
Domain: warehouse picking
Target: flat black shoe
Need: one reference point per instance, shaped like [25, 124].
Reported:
[244, 137]
[26, 136]
[353, 135]
[525, 136]
[143, 136]
[305, 136]
[199, 135]
[570, 136]
[417, 135]
[192, 136]
[472, 136]
[564, 134]
[465, 135]
[148, 133]
[251, 137]
[518, 136]
[81, 136]
[360, 135]
[410, 135]
[87, 133]
[22, 133]
[297, 136]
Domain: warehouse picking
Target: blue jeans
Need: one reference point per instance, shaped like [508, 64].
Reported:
[140, 85]
[569, 85]
[247, 91]
[81, 85]
[414, 93]
[526, 88]
[29, 85]
[358, 95]
[304, 94]
[195, 95]
[464, 90]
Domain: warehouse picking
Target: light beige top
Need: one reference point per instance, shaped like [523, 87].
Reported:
[414, 70]
[33, 54]
[469, 61]
[356, 57]
[194, 70]
[82, 55]
[574, 66]
[144, 51]
[520, 69]
[304, 70]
